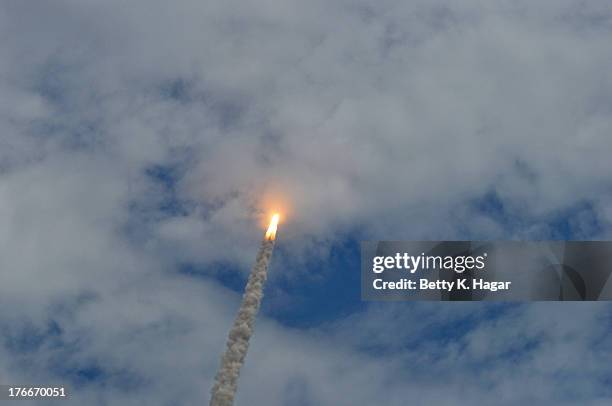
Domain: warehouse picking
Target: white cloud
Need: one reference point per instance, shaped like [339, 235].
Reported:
[392, 117]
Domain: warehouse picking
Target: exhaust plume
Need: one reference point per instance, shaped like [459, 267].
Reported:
[226, 381]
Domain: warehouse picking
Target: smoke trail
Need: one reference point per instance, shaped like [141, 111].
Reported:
[226, 380]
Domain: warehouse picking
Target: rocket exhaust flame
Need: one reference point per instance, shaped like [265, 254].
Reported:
[271, 233]
[226, 381]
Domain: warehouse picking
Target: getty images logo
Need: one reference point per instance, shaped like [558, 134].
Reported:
[414, 263]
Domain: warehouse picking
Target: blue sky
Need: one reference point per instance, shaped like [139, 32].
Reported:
[143, 146]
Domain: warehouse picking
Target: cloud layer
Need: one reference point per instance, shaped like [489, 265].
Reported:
[137, 138]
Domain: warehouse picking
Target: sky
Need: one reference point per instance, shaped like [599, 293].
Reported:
[144, 144]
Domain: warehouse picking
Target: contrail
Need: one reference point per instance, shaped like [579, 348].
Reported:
[226, 381]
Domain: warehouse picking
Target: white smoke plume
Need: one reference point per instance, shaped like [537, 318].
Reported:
[226, 381]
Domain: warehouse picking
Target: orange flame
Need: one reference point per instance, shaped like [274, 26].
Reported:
[271, 233]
